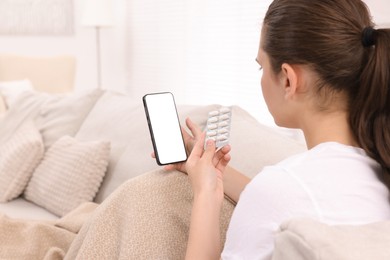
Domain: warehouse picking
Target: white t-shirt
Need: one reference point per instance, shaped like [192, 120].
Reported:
[333, 183]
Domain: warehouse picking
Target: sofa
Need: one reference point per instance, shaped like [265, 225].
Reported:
[100, 115]
[89, 189]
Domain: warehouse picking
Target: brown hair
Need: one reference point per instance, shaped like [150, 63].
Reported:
[328, 36]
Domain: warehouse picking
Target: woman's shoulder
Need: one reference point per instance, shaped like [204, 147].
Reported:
[328, 152]
[323, 163]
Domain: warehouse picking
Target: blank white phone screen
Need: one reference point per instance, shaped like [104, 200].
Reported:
[165, 128]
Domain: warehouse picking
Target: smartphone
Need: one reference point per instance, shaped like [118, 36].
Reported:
[164, 128]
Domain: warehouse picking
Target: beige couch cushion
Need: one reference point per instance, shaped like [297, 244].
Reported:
[18, 158]
[70, 173]
[63, 114]
[255, 145]
[26, 108]
[307, 239]
[10, 90]
[54, 115]
[22, 209]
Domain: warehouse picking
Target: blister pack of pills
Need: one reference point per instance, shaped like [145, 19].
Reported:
[218, 126]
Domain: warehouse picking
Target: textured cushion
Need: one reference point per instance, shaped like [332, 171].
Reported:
[12, 89]
[307, 239]
[63, 114]
[18, 158]
[70, 173]
[26, 108]
[54, 115]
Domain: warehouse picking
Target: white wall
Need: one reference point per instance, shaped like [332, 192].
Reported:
[82, 44]
[380, 11]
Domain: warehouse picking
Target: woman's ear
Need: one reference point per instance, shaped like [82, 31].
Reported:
[289, 80]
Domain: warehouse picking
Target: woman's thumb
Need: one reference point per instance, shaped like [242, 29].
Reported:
[210, 149]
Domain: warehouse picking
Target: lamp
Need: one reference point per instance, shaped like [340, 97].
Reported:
[98, 14]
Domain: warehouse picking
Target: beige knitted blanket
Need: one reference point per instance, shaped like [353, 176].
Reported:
[145, 218]
[21, 239]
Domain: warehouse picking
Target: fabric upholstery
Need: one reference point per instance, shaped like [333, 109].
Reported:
[308, 239]
[128, 132]
[123, 227]
[12, 89]
[21, 208]
[41, 240]
[132, 146]
[63, 114]
[18, 158]
[54, 115]
[70, 173]
[26, 108]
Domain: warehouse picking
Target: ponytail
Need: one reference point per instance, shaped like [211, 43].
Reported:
[370, 108]
[329, 36]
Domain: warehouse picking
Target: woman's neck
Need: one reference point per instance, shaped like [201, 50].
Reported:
[328, 127]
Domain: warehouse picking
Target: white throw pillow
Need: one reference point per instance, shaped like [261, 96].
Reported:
[10, 90]
[70, 173]
[19, 157]
[63, 114]
[54, 115]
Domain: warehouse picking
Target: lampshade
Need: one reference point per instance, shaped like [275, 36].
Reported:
[98, 13]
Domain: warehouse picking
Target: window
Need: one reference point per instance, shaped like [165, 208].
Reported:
[201, 50]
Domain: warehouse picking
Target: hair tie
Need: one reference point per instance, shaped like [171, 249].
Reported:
[369, 36]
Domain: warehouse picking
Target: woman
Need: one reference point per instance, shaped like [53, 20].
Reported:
[325, 71]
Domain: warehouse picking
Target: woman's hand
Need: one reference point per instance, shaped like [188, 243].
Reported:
[189, 141]
[205, 167]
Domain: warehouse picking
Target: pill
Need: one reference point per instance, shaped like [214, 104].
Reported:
[213, 113]
[222, 124]
[222, 131]
[218, 126]
[221, 137]
[212, 120]
[212, 126]
[224, 110]
[224, 117]
[211, 133]
[211, 138]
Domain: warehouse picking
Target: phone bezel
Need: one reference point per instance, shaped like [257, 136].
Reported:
[145, 103]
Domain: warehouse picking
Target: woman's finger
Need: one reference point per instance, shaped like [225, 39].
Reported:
[209, 153]
[197, 151]
[221, 153]
[186, 135]
[221, 165]
[194, 128]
